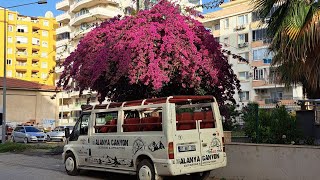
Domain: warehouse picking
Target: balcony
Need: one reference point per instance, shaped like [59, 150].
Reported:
[36, 24]
[63, 5]
[35, 47]
[35, 56]
[240, 28]
[63, 29]
[243, 45]
[265, 84]
[94, 14]
[22, 55]
[79, 4]
[63, 18]
[21, 45]
[35, 67]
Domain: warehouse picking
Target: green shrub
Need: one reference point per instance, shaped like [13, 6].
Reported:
[275, 126]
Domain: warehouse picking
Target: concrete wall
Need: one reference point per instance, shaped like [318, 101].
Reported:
[274, 162]
[23, 106]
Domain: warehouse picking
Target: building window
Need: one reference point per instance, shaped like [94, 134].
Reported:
[243, 20]
[245, 55]
[20, 74]
[22, 28]
[217, 39]
[44, 75]
[277, 95]
[259, 74]
[36, 41]
[226, 41]
[62, 36]
[243, 75]
[267, 60]
[226, 23]
[216, 27]
[82, 12]
[45, 33]
[44, 65]
[261, 54]
[44, 54]
[10, 40]
[258, 35]
[46, 23]
[9, 61]
[9, 73]
[22, 40]
[10, 28]
[243, 38]
[11, 16]
[44, 44]
[244, 96]
[9, 50]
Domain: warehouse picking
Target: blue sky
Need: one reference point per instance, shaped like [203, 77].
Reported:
[40, 10]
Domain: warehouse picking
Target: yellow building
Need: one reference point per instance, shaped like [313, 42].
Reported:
[30, 47]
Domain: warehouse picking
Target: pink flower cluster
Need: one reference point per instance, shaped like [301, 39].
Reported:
[157, 52]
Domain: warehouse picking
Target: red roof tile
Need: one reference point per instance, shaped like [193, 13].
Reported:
[27, 85]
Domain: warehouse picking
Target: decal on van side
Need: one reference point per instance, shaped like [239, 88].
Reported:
[108, 160]
[215, 146]
[138, 145]
[155, 146]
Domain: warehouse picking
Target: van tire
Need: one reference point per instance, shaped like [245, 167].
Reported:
[201, 176]
[145, 167]
[71, 167]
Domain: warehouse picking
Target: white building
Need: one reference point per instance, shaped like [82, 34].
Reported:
[77, 19]
[239, 30]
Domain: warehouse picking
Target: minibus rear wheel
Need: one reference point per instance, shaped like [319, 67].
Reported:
[71, 165]
[145, 170]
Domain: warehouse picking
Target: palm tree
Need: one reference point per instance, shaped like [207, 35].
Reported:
[295, 31]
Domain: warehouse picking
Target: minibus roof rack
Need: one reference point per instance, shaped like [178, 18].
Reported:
[187, 99]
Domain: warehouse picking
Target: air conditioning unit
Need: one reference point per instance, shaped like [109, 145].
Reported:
[242, 45]
[266, 41]
[266, 20]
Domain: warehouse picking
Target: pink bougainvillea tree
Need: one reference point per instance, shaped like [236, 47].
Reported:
[158, 52]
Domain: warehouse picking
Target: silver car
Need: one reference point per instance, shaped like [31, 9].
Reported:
[28, 134]
[58, 133]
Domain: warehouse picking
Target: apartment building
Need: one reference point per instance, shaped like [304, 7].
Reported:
[238, 29]
[30, 47]
[77, 19]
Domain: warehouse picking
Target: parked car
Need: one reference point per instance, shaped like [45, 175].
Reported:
[28, 134]
[58, 133]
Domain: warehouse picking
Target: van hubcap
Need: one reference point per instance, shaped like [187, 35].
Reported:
[145, 173]
[69, 164]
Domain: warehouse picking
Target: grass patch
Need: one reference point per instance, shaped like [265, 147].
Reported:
[19, 147]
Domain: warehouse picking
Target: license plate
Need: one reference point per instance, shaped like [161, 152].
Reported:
[187, 148]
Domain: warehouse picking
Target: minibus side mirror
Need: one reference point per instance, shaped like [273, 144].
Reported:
[67, 132]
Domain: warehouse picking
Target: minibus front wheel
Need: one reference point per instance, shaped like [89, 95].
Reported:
[71, 165]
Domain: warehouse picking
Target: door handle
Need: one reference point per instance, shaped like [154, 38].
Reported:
[204, 144]
[214, 134]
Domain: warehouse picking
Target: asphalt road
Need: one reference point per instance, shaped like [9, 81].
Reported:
[25, 167]
[46, 167]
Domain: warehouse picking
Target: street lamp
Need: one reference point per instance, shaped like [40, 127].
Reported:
[4, 90]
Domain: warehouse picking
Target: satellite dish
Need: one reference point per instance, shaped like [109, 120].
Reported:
[49, 14]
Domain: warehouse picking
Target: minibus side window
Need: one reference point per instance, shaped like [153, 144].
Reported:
[106, 122]
[81, 127]
[146, 119]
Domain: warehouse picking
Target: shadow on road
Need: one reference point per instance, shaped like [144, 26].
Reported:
[114, 176]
